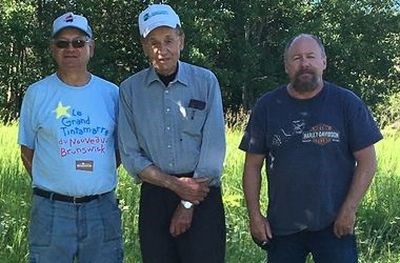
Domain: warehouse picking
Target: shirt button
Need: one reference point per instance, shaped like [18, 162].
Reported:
[168, 128]
[168, 109]
[169, 146]
[170, 164]
[166, 92]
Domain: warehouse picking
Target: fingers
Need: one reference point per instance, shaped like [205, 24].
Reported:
[178, 229]
[260, 229]
[336, 231]
[202, 179]
[341, 230]
[196, 202]
[344, 223]
[194, 190]
[181, 221]
[261, 243]
[268, 230]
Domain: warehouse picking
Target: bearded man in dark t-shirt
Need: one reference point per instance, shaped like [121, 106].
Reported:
[318, 143]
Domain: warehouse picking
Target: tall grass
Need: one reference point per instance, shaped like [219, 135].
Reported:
[378, 224]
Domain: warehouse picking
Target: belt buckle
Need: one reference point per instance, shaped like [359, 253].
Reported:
[74, 200]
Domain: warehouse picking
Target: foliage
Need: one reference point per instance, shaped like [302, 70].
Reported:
[389, 112]
[18, 65]
[241, 41]
[236, 120]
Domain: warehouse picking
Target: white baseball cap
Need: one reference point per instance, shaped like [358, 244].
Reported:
[157, 15]
[70, 20]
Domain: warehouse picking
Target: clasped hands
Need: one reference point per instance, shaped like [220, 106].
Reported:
[193, 190]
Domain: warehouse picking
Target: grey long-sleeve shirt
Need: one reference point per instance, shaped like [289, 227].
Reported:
[179, 128]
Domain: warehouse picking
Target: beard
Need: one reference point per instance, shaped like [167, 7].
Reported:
[304, 84]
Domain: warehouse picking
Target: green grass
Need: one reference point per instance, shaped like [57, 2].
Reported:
[378, 225]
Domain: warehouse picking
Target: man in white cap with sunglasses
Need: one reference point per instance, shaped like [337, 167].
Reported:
[67, 133]
[171, 131]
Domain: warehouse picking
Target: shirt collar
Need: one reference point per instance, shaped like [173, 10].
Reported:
[181, 76]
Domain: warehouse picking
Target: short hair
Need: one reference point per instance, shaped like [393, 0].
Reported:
[292, 40]
[179, 31]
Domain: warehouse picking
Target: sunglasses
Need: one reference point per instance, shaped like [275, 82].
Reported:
[76, 43]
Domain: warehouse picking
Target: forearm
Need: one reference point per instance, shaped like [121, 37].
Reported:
[362, 178]
[252, 183]
[359, 186]
[153, 175]
[251, 189]
[27, 158]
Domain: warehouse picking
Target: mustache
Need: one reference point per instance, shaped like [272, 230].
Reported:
[305, 71]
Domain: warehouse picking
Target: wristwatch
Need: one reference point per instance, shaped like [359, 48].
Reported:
[186, 204]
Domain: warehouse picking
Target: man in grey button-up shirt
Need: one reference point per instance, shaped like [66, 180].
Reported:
[172, 139]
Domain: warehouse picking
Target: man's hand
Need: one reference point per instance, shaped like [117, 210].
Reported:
[181, 220]
[193, 190]
[260, 229]
[344, 223]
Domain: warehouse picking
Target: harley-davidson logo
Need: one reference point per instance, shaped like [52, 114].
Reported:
[321, 134]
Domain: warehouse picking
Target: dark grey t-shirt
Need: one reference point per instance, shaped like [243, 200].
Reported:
[308, 146]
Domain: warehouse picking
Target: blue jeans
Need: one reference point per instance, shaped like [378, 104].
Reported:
[324, 246]
[63, 232]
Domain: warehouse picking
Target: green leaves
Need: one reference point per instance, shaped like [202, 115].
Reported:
[241, 41]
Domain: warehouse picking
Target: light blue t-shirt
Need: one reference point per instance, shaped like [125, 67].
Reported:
[72, 131]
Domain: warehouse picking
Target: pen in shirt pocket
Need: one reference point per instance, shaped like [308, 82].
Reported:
[196, 104]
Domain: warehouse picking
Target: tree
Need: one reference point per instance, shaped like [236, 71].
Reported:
[241, 41]
[17, 64]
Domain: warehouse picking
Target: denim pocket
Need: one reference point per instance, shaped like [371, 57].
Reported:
[41, 223]
[111, 217]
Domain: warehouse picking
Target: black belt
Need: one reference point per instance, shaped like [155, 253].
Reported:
[65, 198]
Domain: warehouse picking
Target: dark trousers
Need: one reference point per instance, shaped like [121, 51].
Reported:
[324, 246]
[203, 242]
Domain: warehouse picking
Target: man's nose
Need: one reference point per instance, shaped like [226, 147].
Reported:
[304, 62]
[162, 48]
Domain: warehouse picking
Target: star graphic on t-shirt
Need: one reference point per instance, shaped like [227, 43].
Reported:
[62, 111]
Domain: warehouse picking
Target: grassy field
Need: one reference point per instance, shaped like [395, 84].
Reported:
[378, 226]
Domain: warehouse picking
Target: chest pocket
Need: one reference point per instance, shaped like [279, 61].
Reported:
[193, 122]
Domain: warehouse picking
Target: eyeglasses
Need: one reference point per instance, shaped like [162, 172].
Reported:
[76, 43]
